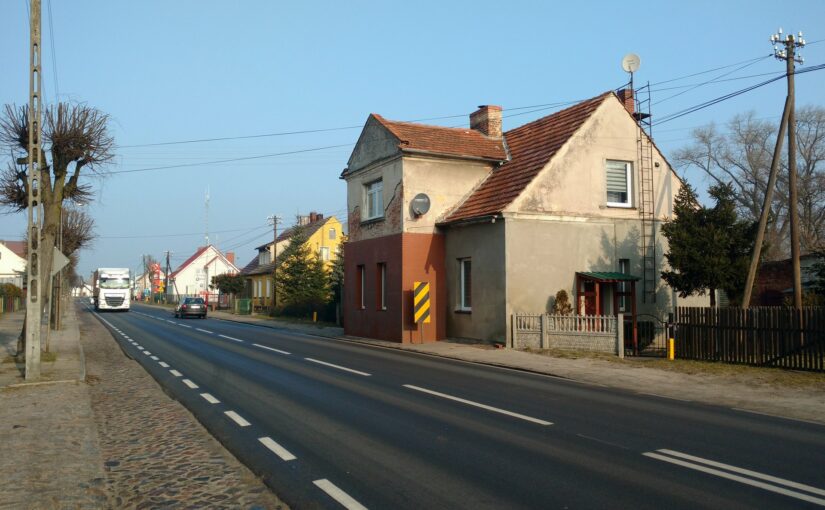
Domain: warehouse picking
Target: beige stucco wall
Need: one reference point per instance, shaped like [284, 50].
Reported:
[484, 244]
[574, 182]
[446, 182]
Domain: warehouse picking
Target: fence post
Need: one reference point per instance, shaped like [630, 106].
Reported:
[620, 334]
[543, 328]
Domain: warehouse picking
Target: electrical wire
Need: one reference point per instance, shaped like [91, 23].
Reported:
[713, 79]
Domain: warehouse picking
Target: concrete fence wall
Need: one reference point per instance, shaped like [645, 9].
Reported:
[568, 332]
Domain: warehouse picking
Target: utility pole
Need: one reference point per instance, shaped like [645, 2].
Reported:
[166, 279]
[789, 56]
[34, 308]
[788, 53]
[274, 219]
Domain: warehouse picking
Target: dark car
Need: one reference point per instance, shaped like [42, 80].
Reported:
[191, 307]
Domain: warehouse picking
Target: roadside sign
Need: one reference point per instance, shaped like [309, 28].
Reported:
[421, 302]
[59, 261]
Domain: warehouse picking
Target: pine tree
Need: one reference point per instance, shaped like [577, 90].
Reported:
[709, 247]
[301, 277]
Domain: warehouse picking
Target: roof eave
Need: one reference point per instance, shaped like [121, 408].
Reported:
[424, 152]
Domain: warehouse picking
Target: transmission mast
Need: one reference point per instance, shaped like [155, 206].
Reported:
[34, 308]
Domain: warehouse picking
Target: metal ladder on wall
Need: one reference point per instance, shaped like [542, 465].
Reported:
[647, 205]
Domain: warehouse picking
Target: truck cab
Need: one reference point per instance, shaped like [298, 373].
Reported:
[112, 289]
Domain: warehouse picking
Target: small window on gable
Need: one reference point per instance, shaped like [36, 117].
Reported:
[374, 206]
[618, 180]
[332, 234]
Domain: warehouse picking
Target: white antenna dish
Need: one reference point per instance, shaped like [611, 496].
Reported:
[631, 63]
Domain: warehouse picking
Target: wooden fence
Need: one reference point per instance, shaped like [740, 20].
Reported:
[791, 338]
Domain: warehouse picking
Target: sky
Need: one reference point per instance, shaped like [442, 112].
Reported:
[191, 70]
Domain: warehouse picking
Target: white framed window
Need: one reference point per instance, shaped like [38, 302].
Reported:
[268, 287]
[332, 234]
[324, 252]
[258, 290]
[382, 286]
[465, 285]
[375, 199]
[618, 179]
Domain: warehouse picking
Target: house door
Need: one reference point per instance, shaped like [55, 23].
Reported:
[589, 298]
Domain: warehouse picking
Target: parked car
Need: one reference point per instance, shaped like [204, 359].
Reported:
[191, 306]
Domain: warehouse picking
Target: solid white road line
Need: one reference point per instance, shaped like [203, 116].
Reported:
[154, 358]
[277, 449]
[175, 373]
[163, 364]
[748, 472]
[271, 349]
[204, 331]
[209, 398]
[237, 418]
[190, 384]
[338, 495]
[339, 367]
[737, 478]
[482, 406]
[231, 338]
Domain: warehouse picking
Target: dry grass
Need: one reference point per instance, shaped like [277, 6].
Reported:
[739, 373]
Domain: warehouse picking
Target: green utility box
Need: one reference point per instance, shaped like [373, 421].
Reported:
[243, 306]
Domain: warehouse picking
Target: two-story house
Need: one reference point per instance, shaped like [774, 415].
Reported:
[13, 262]
[324, 238]
[194, 276]
[498, 222]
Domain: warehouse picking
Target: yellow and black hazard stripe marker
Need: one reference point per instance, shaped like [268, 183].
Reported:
[421, 302]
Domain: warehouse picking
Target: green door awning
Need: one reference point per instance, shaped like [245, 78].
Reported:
[608, 276]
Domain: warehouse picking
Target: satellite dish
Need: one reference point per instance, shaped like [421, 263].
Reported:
[631, 63]
[420, 204]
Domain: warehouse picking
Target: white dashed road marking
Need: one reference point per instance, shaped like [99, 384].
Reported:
[482, 406]
[209, 398]
[237, 418]
[277, 449]
[185, 326]
[339, 367]
[175, 373]
[270, 349]
[147, 353]
[231, 338]
[204, 331]
[154, 358]
[338, 495]
[190, 384]
[700, 464]
[163, 364]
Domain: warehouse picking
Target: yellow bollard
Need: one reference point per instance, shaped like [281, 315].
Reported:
[671, 349]
[314, 316]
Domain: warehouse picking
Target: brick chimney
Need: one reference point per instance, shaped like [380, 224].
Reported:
[230, 256]
[487, 120]
[626, 97]
[315, 216]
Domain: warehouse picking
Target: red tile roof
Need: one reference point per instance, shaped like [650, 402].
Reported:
[531, 147]
[18, 247]
[444, 140]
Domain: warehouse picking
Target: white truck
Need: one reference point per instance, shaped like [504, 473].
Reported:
[111, 288]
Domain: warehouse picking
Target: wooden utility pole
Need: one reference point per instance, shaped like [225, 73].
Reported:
[166, 279]
[274, 219]
[34, 307]
[788, 53]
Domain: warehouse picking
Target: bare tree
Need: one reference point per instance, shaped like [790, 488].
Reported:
[76, 141]
[741, 156]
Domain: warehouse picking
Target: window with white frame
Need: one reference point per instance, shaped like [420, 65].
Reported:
[465, 285]
[618, 180]
[332, 234]
[375, 200]
[324, 251]
[268, 287]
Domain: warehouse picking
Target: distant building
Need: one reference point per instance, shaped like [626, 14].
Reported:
[193, 277]
[13, 262]
[774, 281]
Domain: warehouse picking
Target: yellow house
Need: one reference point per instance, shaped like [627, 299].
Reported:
[324, 238]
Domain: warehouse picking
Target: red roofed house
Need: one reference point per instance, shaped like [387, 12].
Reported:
[504, 220]
[192, 278]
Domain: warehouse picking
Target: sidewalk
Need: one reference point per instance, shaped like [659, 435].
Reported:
[777, 392]
[98, 432]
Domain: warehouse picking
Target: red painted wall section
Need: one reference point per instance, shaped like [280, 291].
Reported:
[408, 258]
[423, 256]
[370, 321]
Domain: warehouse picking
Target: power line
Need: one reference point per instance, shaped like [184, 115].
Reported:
[756, 59]
[713, 79]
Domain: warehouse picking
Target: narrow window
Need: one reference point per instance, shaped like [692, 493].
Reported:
[375, 199]
[268, 288]
[618, 183]
[382, 286]
[332, 234]
[624, 268]
[360, 290]
[324, 253]
[465, 285]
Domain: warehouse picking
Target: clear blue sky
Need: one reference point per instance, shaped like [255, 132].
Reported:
[170, 71]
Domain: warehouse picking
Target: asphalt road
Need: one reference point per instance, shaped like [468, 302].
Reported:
[332, 424]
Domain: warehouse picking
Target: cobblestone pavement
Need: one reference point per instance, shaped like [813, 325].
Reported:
[154, 452]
